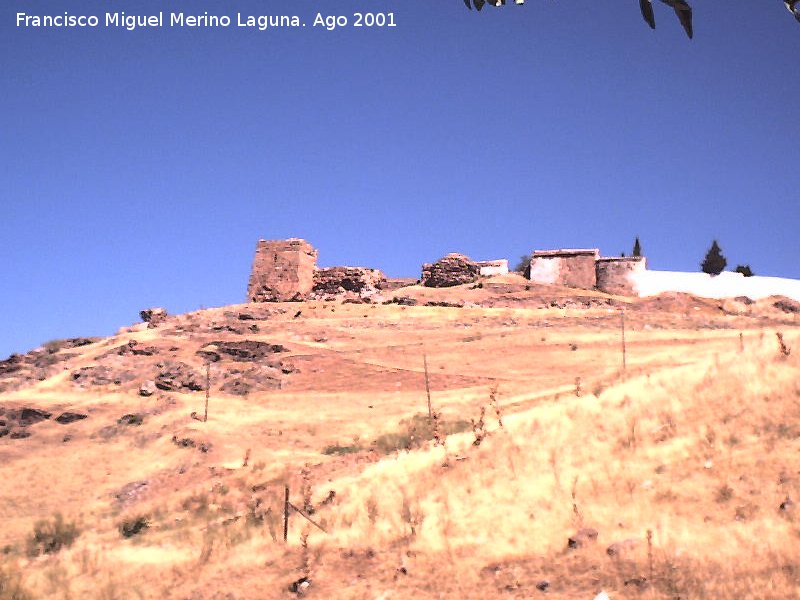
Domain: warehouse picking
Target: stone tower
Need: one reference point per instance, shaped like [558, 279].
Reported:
[283, 270]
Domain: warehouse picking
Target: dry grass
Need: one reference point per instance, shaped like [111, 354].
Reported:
[695, 444]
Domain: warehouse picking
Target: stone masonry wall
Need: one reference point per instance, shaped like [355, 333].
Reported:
[283, 270]
[355, 281]
[571, 268]
[617, 275]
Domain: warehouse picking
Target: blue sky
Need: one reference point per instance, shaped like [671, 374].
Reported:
[140, 168]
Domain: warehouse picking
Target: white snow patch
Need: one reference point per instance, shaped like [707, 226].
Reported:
[724, 285]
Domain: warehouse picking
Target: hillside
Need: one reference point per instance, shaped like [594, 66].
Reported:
[547, 471]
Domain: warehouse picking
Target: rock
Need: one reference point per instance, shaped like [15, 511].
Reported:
[133, 348]
[131, 419]
[582, 537]
[402, 301]
[244, 351]
[20, 435]
[640, 583]
[153, 316]
[131, 492]
[147, 388]
[445, 304]
[453, 269]
[70, 417]
[543, 585]
[30, 416]
[12, 364]
[4, 431]
[787, 305]
[300, 586]
[101, 375]
[56, 345]
[241, 383]
[190, 443]
[623, 547]
[175, 376]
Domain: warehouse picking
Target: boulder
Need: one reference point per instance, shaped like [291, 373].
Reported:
[176, 376]
[131, 419]
[31, 416]
[153, 316]
[243, 351]
[453, 269]
[147, 388]
[133, 348]
[70, 417]
[101, 375]
[582, 537]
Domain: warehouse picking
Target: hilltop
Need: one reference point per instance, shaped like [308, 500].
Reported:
[544, 470]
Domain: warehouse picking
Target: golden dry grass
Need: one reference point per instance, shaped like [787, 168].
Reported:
[697, 444]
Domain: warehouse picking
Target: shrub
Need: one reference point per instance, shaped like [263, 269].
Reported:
[416, 431]
[51, 536]
[11, 584]
[131, 527]
[524, 265]
[744, 270]
[714, 262]
[336, 449]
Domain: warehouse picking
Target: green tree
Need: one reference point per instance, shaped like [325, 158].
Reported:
[714, 262]
[524, 265]
[744, 270]
[637, 247]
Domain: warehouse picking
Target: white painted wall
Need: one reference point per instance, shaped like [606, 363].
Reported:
[724, 285]
[493, 267]
[545, 269]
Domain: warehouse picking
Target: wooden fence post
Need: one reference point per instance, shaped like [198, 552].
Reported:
[208, 388]
[624, 349]
[427, 386]
[286, 514]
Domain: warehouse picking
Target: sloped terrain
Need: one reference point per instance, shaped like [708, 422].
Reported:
[544, 470]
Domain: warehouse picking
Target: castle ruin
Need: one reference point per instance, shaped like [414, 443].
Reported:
[286, 270]
[283, 270]
[586, 269]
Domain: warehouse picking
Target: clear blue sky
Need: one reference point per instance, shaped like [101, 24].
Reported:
[140, 168]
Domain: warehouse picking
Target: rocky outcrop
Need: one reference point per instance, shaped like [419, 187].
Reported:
[331, 282]
[244, 351]
[101, 375]
[68, 417]
[178, 376]
[147, 388]
[153, 316]
[453, 269]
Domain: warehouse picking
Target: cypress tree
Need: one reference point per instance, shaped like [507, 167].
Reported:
[714, 262]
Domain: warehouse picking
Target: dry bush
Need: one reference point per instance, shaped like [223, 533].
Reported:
[11, 587]
[49, 537]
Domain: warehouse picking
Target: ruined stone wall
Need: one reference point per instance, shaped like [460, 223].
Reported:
[283, 270]
[572, 268]
[347, 281]
[618, 275]
[453, 269]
